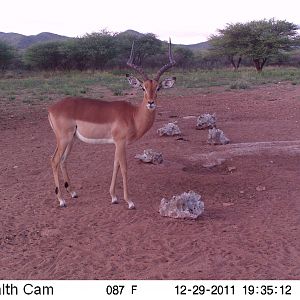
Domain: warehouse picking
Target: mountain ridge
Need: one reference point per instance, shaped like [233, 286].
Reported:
[22, 42]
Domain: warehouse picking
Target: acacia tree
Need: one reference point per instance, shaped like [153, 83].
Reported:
[184, 57]
[99, 48]
[266, 39]
[146, 46]
[44, 56]
[229, 42]
[258, 40]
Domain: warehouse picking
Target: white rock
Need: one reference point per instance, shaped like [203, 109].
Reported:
[150, 156]
[206, 121]
[186, 206]
[260, 188]
[169, 129]
[231, 169]
[217, 137]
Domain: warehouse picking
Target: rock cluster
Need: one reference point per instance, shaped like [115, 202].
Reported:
[186, 206]
[215, 136]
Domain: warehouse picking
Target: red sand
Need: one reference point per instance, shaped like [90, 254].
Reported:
[250, 227]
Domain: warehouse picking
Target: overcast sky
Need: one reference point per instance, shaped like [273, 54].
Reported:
[186, 21]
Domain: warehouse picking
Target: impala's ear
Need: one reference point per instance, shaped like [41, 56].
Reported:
[168, 83]
[134, 82]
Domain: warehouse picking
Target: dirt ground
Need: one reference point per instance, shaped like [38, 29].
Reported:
[251, 225]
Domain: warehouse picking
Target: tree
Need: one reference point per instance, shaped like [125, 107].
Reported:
[258, 40]
[44, 56]
[6, 55]
[266, 39]
[183, 57]
[146, 46]
[99, 48]
[229, 42]
[91, 51]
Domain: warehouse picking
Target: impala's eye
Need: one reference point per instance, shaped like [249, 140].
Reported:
[143, 89]
[158, 88]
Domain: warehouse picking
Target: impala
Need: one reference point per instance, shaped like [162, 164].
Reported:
[101, 122]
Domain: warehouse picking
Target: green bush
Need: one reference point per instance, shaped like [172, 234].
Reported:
[239, 85]
[6, 55]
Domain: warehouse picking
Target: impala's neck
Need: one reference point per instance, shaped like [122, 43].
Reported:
[143, 118]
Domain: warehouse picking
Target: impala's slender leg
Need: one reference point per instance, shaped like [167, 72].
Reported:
[64, 172]
[121, 155]
[62, 143]
[55, 160]
[112, 189]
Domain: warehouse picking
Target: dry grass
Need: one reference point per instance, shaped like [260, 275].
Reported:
[33, 88]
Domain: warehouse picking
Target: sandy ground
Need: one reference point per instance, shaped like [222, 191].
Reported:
[251, 225]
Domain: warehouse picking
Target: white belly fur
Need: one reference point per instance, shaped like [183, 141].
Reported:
[94, 141]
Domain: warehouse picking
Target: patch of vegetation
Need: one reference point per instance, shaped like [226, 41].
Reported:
[239, 85]
[46, 86]
[244, 78]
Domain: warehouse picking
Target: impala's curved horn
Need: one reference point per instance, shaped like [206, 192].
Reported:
[168, 66]
[139, 69]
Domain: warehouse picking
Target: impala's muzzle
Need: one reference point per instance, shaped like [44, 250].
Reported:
[151, 105]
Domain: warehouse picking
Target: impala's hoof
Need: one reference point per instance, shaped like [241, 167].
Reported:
[131, 205]
[74, 195]
[114, 200]
[63, 205]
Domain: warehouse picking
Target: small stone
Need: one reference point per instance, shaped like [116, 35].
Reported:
[150, 156]
[182, 139]
[49, 232]
[189, 117]
[260, 188]
[231, 169]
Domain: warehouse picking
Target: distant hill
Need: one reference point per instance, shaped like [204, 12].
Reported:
[193, 47]
[197, 47]
[131, 33]
[21, 41]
